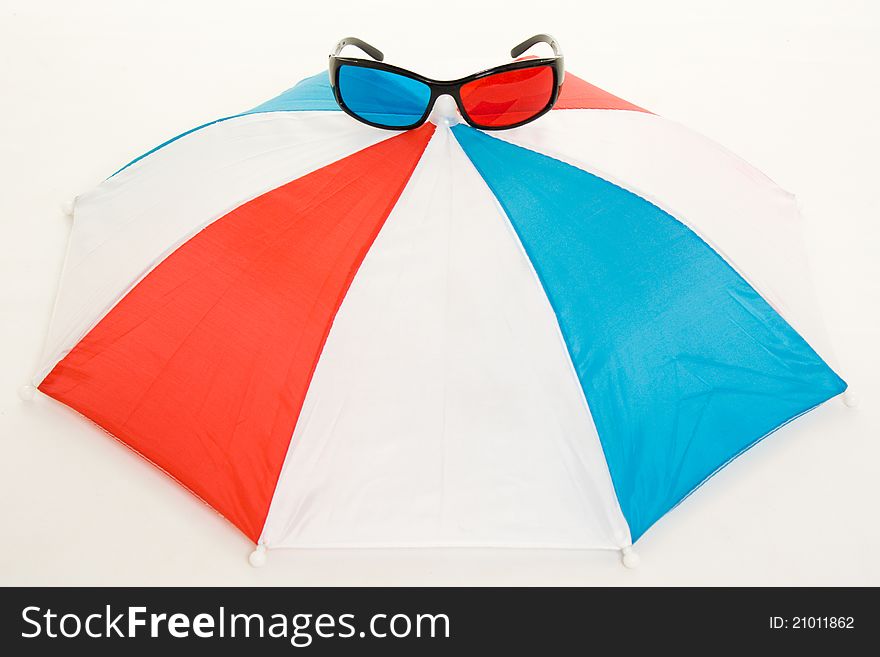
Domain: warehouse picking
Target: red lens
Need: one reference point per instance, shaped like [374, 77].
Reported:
[507, 98]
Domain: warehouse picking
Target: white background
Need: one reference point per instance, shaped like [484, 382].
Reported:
[792, 87]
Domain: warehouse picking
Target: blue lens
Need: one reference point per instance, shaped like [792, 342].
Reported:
[383, 97]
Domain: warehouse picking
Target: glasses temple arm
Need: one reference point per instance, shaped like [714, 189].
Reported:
[372, 51]
[518, 50]
[531, 41]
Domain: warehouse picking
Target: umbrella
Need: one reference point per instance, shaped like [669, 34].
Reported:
[342, 336]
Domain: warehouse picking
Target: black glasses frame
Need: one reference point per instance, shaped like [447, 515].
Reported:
[450, 87]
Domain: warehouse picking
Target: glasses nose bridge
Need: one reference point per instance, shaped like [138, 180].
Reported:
[447, 108]
[445, 88]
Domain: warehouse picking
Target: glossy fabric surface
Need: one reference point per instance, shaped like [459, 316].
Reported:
[682, 363]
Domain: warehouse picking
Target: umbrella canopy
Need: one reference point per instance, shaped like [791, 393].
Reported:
[337, 335]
